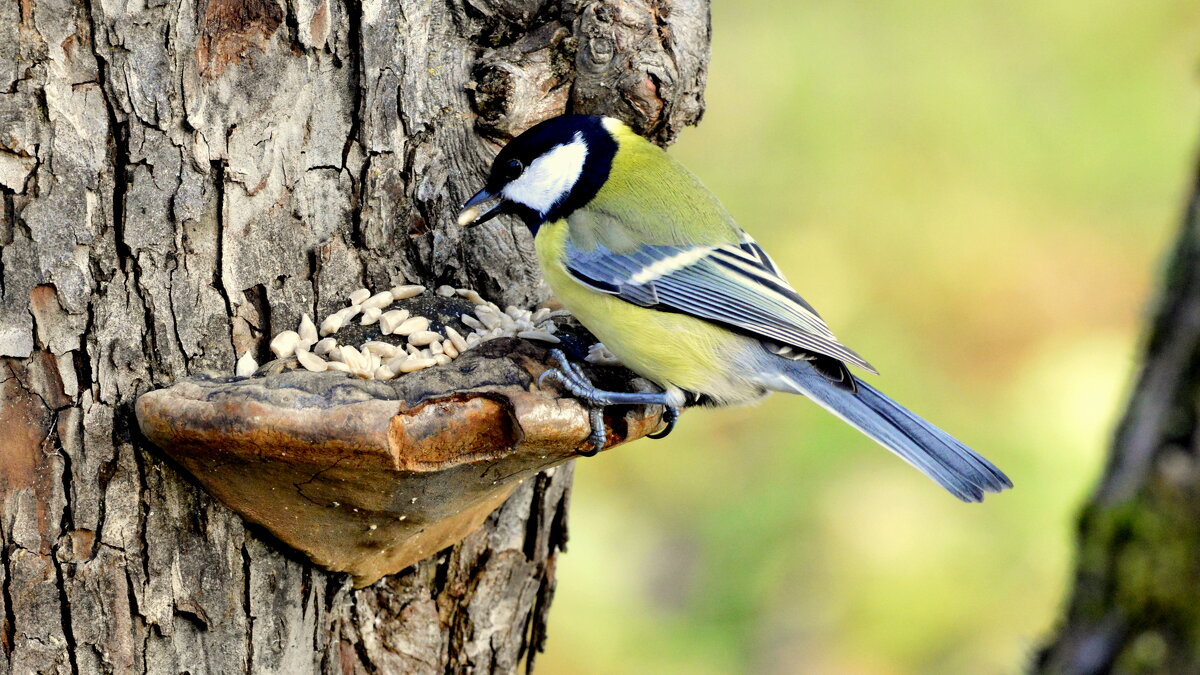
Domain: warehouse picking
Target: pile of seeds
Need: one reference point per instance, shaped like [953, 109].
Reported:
[415, 345]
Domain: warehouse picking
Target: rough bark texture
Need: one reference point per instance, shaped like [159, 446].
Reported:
[181, 179]
[1136, 603]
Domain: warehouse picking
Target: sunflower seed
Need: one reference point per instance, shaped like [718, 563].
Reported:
[371, 315]
[449, 349]
[352, 358]
[456, 338]
[470, 295]
[284, 344]
[470, 321]
[384, 373]
[445, 291]
[410, 326]
[359, 296]
[332, 323]
[388, 321]
[488, 319]
[416, 364]
[337, 365]
[406, 292]
[324, 346]
[540, 315]
[312, 362]
[435, 346]
[307, 330]
[378, 301]
[467, 217]
[383, 349]
[422, 337]
[441, 359]
[245, 366]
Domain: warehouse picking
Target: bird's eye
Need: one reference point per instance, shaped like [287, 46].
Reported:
[510, 171]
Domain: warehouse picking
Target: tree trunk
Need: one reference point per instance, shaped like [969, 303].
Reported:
[1136, 602]
[182, 180]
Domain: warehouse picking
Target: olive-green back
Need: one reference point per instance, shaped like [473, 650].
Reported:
[649, 198]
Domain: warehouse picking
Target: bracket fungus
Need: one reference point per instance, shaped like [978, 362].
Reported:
[367, 475]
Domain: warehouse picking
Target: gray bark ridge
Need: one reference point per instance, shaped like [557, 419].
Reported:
[182, 179]
[1135, 605]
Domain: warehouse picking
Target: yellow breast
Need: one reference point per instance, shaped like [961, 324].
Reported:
[666, 348]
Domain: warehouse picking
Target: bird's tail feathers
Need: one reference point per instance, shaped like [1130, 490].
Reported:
[935, 453]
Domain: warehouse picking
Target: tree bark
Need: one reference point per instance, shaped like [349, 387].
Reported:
[184, 179]
[1135, 607]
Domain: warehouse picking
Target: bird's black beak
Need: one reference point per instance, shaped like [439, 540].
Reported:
[481, 208]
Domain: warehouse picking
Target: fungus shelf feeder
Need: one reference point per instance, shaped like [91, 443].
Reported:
[368, 477]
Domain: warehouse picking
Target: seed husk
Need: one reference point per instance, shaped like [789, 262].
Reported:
[538, 335]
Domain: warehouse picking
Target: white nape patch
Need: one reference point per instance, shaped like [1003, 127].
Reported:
[550, 177]
[665, 266]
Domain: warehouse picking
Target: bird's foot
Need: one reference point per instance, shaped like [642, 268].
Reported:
[573, 380]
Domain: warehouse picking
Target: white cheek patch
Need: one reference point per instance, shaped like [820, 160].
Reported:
[550, 177]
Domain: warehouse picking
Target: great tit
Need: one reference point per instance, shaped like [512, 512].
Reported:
[650, 262]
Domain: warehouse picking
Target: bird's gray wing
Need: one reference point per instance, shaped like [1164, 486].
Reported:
[735, 285]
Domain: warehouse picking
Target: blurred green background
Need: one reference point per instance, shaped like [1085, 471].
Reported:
[976, 196]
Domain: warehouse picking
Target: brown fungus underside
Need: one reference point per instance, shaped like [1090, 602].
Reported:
[368, 477]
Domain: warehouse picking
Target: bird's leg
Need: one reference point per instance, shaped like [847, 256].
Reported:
[573, 379]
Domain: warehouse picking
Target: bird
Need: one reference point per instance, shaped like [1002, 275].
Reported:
[647, 259]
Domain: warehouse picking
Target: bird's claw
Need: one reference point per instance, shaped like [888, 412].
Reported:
[573, 380]
[669, 416]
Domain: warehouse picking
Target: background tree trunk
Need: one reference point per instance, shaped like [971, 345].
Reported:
[1136, 602]
[184, 179]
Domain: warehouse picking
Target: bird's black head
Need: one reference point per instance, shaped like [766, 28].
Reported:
[547, 172]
